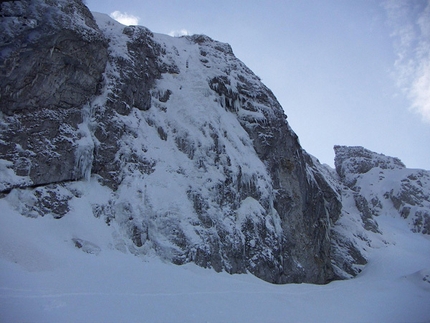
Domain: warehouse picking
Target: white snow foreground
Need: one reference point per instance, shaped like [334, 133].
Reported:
[72, 271]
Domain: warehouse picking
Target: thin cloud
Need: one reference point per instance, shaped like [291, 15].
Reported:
[410, 21]
[420, 91]
[125, 18]
[179, 33]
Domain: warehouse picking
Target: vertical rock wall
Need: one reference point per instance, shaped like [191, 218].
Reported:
[52, 60]
[199, 159]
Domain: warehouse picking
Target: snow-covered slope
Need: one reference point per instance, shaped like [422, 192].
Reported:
[373, 189]
[44, 277]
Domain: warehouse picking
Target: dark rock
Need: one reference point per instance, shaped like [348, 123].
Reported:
[51, 70]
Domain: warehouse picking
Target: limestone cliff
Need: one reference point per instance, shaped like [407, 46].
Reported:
[191, 155]
[52, 60]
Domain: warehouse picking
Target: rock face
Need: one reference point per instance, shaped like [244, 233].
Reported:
[202, 160]
[199, 159]
[191, 153]
[373, 185]
[383, 185]
[52, 60]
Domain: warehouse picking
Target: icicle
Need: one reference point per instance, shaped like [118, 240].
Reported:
[85, 147]
[83, 160]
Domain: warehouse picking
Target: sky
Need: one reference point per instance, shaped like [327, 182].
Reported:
[346, 72]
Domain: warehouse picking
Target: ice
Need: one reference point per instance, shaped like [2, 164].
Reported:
[84, 152]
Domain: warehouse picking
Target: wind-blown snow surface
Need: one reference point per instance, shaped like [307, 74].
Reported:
[72, 271]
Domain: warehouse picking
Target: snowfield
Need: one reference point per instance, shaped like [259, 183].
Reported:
[71, 270]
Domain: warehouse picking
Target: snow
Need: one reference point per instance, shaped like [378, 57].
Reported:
[113, 31]
[393, 191]
[189, 144]
[45, 277]
[9, 178]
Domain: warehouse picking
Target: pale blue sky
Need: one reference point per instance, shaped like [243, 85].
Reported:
[346, 72]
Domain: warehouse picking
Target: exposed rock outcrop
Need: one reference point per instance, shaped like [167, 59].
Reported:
[383, 185]
[52, 60]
